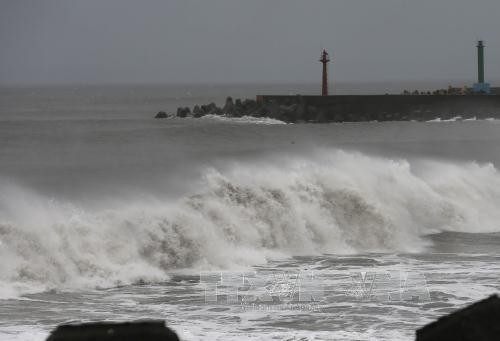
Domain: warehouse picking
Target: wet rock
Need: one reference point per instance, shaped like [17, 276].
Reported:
[109, 331]
[234, 109]
[229, 106]
[257, 111]
[183, 112]
[210, 109]
[212, 106]
[216, 111]
[204, 109]
[198, 112]
[249, 105]
[477, 322]
[161, 114]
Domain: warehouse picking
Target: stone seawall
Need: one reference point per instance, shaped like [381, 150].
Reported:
[352, 108]
[355, 108]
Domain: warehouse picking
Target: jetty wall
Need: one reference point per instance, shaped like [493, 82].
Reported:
[356, 108]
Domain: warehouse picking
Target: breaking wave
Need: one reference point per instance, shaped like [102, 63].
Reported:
[333, 202]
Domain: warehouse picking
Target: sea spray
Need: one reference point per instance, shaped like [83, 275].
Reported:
[331, 202]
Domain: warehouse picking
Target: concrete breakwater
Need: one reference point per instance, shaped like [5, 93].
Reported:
[353, 108]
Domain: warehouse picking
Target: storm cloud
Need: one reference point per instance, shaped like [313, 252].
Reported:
[189, 41]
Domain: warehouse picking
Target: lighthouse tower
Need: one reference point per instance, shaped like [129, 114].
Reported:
[481, 87]
[324, 85]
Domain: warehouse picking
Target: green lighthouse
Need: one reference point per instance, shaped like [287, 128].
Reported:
[481, 87]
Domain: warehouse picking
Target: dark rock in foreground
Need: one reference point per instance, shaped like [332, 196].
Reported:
[478, 322]
[108, 331]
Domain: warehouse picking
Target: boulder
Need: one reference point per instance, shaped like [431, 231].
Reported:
[183, 112]
[210, 109]
[204, 109]
[198, 112]
[218, 111]
[213, 107]
[477, 322]
[258, 111]
[161, 114]
[239, 110]
[249, 105]
[112, 331]
[229, 106]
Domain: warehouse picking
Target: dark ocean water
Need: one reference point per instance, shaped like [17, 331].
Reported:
[106, 213]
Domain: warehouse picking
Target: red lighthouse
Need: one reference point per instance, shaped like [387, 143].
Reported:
[324, 60]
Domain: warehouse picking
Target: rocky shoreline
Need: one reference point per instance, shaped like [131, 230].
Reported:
[237, 108]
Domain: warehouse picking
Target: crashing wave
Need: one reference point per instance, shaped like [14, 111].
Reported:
[336, 202]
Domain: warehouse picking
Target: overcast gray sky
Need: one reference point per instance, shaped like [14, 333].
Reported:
[170, 41]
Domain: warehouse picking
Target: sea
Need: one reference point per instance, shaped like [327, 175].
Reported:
[239, 228]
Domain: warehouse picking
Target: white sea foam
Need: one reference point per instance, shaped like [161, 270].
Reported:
[461, 119]
[27, 333]
[244, 119]
[471, 119]
[453, 119]
[334, 202]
